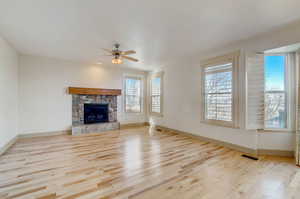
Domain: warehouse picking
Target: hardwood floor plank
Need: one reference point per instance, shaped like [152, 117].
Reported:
[140, 163]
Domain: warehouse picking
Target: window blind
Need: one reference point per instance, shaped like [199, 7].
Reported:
[218, 92]
[132, 94]
[255, 91]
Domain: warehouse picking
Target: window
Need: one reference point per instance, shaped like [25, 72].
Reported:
[275, 92]
[156, 94]
[219, 91]
[133, 94]
[271, 91]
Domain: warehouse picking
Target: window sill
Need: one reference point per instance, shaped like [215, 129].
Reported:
[136, 113]
[219, 124]
[156, 114]
[276, 131]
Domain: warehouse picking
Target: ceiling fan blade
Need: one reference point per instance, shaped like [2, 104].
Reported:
[107, 50]
[130, 58]
[128, 52]
[105, 55]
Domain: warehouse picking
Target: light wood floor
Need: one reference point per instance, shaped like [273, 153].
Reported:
[140, 163]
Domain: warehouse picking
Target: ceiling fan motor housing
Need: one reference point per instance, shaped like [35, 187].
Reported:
[117, 46]
[116, 51]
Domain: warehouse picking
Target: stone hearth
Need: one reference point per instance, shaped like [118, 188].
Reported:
[94, 128]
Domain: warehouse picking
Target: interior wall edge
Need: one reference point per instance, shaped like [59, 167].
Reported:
[9, 66]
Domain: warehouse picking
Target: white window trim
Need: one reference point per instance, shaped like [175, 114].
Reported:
[152, 76]
[138, 77]
[233, 58]
[289, 88]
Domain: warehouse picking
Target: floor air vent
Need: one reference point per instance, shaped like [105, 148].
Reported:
[249, 157]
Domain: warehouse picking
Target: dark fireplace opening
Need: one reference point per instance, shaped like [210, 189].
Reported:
[95, 113]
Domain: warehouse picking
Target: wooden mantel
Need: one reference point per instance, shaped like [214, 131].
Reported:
[94, 91]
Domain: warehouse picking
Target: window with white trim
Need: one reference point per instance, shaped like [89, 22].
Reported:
[156, 94]
[219, 91]
[133, 94]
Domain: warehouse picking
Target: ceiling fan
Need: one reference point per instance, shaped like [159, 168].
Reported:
[119, 55]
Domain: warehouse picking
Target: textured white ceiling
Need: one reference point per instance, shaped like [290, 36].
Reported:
[159, 30]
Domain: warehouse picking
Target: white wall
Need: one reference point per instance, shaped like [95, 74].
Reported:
[9, 93]
[182, 94]
[182, 107]
[44, 103]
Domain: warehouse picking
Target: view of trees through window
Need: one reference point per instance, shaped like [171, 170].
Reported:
[133, 94]
[275, 92]
[218, 92]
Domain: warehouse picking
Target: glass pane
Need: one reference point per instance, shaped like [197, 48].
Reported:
[218, 95]
[155, 85]
[274, 72]
[133, 104]
[275, 110]
[275, 96]
[133, 95]
[133, 86]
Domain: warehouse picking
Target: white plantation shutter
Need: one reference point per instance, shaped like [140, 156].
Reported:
[156, 95]
[298, 109]
[255, 91]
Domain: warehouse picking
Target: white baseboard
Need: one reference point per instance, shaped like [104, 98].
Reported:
[233, 146]
[43, 134]
[229, 145]
[8, 145]
[276, 152]
[134, 125]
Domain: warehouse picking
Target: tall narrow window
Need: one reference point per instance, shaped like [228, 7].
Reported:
[218, 92]
[155, 94]
[275, 92]
[133, 94]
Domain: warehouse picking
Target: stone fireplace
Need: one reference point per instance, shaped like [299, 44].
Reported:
[94, 110]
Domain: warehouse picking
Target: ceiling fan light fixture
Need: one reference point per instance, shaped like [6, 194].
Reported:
[116, 61]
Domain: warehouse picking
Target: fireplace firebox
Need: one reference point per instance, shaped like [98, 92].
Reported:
[95, 113]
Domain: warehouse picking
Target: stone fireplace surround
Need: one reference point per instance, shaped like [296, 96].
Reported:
[81, 97]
